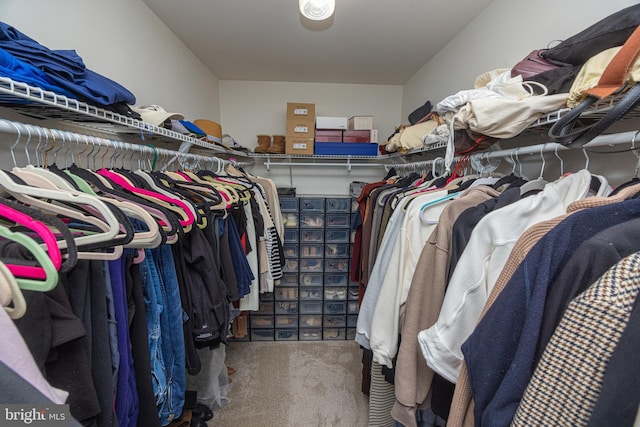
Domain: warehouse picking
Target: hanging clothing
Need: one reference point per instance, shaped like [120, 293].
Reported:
[512, 325]
[412, 377]
[472, 281]
[565, 384]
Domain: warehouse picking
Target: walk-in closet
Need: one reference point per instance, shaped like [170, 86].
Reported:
[319, 213]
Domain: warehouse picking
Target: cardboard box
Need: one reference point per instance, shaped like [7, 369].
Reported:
[300, 110]
[356, 136]
[298, 145]
[301, 127]
[361, 123]
[325, 122]
[373, 135]
[328, 135]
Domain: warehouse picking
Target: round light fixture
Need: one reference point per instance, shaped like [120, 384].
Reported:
[317, 10]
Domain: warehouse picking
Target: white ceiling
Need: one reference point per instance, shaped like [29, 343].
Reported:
[366, 41]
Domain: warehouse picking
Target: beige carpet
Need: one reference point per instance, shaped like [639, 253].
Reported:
[314, 384]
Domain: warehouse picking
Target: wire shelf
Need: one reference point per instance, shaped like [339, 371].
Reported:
[36, 102]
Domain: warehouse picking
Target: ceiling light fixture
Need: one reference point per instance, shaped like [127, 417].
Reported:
[317, 10]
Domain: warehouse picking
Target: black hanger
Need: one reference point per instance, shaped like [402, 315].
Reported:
[507, 179]
[116, 191]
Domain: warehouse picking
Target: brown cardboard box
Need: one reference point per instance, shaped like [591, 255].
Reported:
[356, 136]
[298, 145]
[299, 110]
[301, 127]
[361, 123]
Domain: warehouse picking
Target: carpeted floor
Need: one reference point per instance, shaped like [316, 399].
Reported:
[301, 384]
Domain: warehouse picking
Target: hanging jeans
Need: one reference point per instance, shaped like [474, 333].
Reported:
[164, 322]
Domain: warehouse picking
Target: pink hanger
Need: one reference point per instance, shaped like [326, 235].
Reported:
[123, 183]
[47, 236]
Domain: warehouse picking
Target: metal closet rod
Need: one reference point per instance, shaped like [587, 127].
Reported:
[27, 130]
[602, 140]
[348, 164]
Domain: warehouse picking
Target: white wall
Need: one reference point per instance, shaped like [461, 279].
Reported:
[249, 108]
[126, 42]
[504, 33]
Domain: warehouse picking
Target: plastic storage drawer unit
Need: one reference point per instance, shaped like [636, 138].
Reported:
[336, 250]
[336, 280]
[311, 220]
[311, 204]
[312, 236]
[290, 236]
[335, 307]
[338, 204]
[262, 335]
[288, 204]
[286, 335]
[311, 279]
[337, 235]
[338, 220]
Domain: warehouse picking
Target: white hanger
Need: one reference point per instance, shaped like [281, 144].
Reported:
[9, 283]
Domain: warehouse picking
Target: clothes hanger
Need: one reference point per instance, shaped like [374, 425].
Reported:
[33, 196]
[176, 205]
[43, 233]
[15, 304]
[67, 247]
[168, 221]
[51, 274]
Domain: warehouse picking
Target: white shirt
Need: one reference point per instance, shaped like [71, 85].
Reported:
[481, 263]
[418, 224]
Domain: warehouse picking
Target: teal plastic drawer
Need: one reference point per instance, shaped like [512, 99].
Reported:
[330, 334]
[311, 293]
[284, 293]
[286, 320]
[262, 335]
[290, 220]
[336, 279]
[338, 204]
[338, 220]
[312, 334]
[336, 250]
[310, 320]
[291, 236]
[259, 322]
[311, 279]
[310, 265]
[286, 335]
[337, 235]
[335, 293]
[289, 279]
[338, 265]
[288, 204]
[312, 204]
[335, 307]
[311, 220]
[311, 251]
[334, 321]
[312, 236]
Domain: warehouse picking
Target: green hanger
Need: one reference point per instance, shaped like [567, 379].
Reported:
[40, 255]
